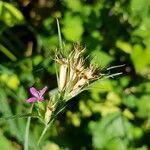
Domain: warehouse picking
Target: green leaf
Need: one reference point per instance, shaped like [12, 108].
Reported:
[75, 6]
[117, 144]
[124, 46]
[72, 27]
[144, 147]
[19, 116]
[130, 101]
[52, 146]
[143, 106]
[109, 130]
[5, 108]
[139, 8]
[140, 58]
[5, 143]
[9, 14]
[101, 58]
[10, 55]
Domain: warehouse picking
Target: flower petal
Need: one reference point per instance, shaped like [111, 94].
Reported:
[32, 99]
[41, 92]
[41, 99]
[34, 92]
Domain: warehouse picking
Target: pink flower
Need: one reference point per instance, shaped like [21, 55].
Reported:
[37, 95]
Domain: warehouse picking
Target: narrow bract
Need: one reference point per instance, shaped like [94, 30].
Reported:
[74, 75]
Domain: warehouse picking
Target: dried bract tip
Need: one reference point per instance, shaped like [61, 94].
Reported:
[78, 50]
[48, 112]
[63, 76]
[74, 75]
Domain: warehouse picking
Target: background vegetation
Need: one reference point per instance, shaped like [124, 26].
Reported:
[115, 115]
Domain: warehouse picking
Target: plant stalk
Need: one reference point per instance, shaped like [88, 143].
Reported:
[26, 142]
[43, 133]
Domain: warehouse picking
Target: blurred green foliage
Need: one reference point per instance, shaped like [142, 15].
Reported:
[112, 115]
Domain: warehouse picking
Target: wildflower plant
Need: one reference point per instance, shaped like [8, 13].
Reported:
[75, 74]
[73, 77]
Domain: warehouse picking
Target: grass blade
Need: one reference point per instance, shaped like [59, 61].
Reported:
[59, 36]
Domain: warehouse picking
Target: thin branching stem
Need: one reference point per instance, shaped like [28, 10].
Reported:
[42, 135]
[26, 142]
[47, 126]
[59, 37]
[44, 131]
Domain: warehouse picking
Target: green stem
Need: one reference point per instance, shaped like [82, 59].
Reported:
[47, 126]
[26, 142]
[43, 133]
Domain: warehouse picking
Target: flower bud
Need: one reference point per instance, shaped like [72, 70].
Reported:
[48, 113]
[63, 76]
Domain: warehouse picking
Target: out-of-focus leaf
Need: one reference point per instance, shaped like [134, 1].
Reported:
[130, 101]
[10, 14]
[110, 129]
[19, 116]
[143, 30]
[75, 6]
[141, 148]
[5, 143]
[74, 119]
[101, 58]
[124, 46]
[10, 55]
[113, 98]
[140, 58]
[117, 144]
[147, 86]
[128, 114]
[52, 146]
[139, 10]
[137, 132]
[6, 109]
[143, 106]
[124, 81]
[72, 27]
[11, 80]
[101, 86]
[37, 59]
[85, 110]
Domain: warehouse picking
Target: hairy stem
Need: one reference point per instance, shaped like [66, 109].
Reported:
[42, 135]
[46, 128]
[48, 125]
[26, 142]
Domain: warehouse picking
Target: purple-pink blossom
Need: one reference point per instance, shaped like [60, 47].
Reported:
[36, 95]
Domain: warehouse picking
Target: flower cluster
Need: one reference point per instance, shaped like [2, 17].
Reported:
[74, 75]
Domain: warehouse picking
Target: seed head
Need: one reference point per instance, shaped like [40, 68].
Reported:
[74, 75]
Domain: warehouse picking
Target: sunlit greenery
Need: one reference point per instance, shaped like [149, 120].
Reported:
[114, 114]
